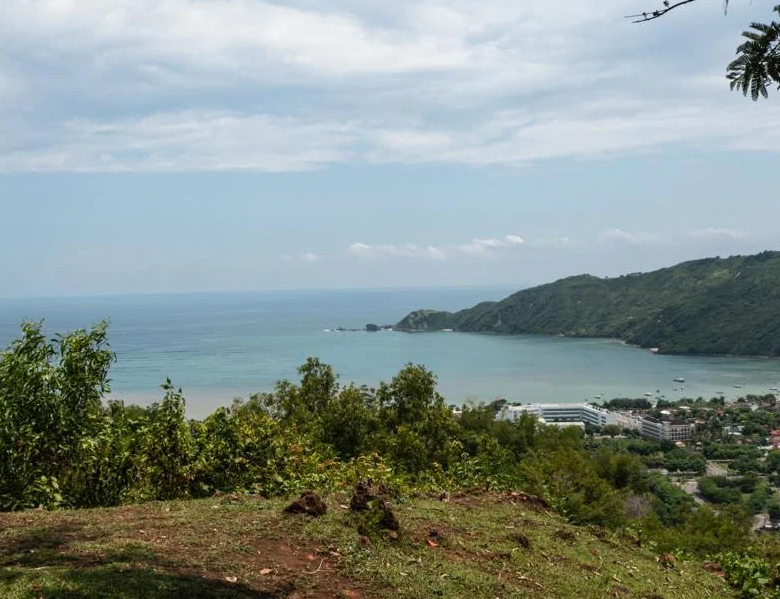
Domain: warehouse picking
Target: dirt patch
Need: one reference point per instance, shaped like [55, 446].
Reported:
[521, 540]
[565, 535]
[590, 567]
[534, 502]
[440, 533]
[516, 498]
[204, 554]
[621, 592]
[715, 569]
[309, 503]
[666, 561]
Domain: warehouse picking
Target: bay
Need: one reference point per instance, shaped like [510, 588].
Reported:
[226, 345]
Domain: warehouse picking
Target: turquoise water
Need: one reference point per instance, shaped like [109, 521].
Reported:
[220, 346]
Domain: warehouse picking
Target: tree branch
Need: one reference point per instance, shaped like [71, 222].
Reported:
[657, 14]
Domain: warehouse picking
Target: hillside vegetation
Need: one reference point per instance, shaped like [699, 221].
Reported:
[63, 446]
[482, 546]
[710, 306]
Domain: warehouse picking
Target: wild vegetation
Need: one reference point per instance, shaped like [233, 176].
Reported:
[63, 446]
[709, 306]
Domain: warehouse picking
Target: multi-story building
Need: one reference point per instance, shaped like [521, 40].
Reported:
[678, 431]
[663, 430]
[651, 428]
[560, 413]
[587, 414]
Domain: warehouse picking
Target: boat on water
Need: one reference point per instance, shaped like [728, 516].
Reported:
[774, 389]
[679, 379]
[648, 394]
[738, 386]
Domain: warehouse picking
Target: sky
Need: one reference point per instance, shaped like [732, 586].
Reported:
[220, 145]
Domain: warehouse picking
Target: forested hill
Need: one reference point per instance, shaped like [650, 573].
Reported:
[710, 306]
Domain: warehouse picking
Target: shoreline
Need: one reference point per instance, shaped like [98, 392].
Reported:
[616, 339]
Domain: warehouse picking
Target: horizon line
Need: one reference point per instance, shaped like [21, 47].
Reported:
[102, 295]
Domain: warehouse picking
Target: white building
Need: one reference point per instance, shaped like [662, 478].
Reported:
[665, 431]
[560, 413]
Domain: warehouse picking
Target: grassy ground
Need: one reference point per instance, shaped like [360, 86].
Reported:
[475, 547]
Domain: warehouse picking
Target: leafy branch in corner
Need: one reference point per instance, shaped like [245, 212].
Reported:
[757, 65]
[758, 60]
[660, 12]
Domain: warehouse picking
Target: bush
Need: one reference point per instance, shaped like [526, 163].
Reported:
[50, 414]
[751, 576]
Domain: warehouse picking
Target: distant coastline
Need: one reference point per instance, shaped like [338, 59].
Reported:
[617, 340]
[221, 346]
[707, 307]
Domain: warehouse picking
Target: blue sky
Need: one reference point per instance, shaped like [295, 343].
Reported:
[202, 145]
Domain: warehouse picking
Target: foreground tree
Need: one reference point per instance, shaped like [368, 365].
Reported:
[50, 413]
[757, 65]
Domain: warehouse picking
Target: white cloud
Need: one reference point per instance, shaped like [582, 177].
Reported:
[477, 247]
[187, 141]
[227, 35]
[514, 137]
[481, 247]
[388, 250]
[632, 237]
[718, 232]
[359, 249]
[198, 140]
[553, 242]
[311, 258]
[182, 85]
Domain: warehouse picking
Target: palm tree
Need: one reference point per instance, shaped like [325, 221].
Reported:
[758, 62]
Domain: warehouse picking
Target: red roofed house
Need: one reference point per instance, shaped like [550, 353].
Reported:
[776, 438]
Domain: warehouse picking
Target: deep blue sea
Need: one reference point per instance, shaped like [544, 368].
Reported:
[221, 346]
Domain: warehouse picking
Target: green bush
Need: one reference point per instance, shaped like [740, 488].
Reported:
[50, 414]
[751, 576]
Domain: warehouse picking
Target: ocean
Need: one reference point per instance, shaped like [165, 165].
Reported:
[225, 345]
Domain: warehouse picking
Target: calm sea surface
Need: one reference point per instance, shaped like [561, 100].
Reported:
[220, 346]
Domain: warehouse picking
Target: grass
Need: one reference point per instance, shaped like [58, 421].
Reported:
[478, 547]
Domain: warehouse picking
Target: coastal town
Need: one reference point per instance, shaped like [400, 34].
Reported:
[719, 452]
